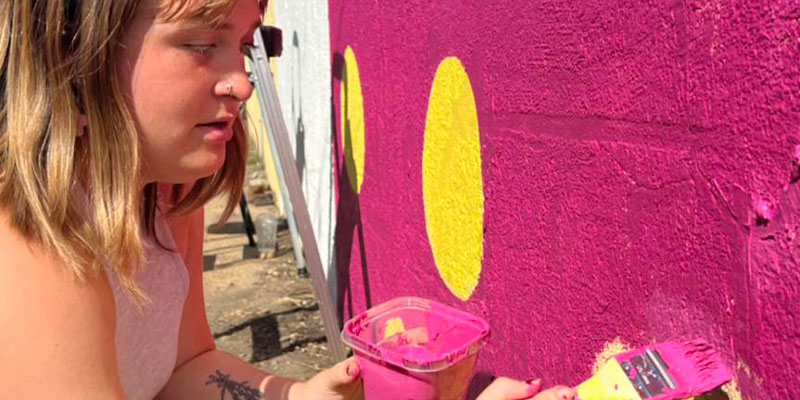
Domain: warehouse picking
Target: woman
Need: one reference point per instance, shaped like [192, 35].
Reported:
[103, 103]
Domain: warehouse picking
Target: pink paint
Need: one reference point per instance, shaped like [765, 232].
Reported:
[694, 367]
[796, 155]
[432, 358]
[385, 381]
[763, 212]
[795, 174]
[624, 147]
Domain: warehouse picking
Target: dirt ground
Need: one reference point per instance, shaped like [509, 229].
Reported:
[260, 310]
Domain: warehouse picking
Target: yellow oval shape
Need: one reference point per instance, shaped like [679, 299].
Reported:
[452, 179]
[352, 116]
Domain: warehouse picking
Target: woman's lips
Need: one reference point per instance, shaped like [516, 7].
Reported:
[216, 132]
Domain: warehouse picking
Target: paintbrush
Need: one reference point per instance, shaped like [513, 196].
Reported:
[664, 371]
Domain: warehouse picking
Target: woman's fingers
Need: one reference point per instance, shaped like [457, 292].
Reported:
[342, 374]
[557, 393]
[509, 389]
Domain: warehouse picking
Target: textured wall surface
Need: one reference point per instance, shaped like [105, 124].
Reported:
[636, 175]
[303, 79]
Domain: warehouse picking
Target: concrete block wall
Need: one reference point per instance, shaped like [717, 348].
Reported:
[585, 175]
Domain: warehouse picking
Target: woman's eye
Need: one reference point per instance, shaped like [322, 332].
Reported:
[200, 48]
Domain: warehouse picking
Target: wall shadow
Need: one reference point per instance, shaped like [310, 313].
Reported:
[266, 338]
[209, 261]
[248, 253]
[227, 228]
[265, 334]
[348, 209]
[297, 107]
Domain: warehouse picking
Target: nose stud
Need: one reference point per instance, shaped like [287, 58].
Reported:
[229, 89]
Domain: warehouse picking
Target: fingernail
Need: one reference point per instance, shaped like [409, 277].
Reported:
[352, 371]
[533, 386]
[566, 394]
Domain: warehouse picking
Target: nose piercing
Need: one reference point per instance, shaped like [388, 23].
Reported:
[229, 88]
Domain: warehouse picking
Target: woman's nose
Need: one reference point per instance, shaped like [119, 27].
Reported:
[236, 86]
[243, 89]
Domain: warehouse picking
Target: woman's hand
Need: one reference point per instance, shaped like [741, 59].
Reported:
[340, 382]
[557, 393]
[510, 389]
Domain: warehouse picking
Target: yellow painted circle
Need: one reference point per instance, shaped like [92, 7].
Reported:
[352, 115]
[610, 349]
[452, 182]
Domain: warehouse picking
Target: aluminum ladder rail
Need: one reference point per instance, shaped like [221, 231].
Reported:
[268, 44]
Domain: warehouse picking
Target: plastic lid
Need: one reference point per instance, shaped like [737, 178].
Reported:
[416, 334]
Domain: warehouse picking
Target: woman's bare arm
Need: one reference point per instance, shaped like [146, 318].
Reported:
[57, 336]
[202, 371]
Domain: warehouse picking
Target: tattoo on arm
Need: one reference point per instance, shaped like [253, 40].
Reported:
[237, 390]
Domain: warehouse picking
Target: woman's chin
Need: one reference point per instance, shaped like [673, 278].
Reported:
[210, 168]
[188, 172]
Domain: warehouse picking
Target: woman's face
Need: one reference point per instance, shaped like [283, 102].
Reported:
[184, 81]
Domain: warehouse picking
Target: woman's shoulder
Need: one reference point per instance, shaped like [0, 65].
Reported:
[29, 269]
[52, 319]
[17, 250]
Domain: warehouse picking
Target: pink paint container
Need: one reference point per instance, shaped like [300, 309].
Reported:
[415, 349]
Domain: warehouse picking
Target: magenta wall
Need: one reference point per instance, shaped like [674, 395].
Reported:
[625, 149]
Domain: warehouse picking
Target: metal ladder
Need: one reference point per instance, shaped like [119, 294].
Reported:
[268, 43]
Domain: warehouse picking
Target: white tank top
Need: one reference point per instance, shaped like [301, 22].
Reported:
[147, 339]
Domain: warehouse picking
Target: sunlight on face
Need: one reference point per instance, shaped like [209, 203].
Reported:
[184, 80]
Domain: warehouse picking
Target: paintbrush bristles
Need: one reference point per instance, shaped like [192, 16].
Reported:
[663, 371]
[704, 363]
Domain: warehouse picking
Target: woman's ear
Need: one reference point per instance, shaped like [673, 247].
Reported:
[82, 122]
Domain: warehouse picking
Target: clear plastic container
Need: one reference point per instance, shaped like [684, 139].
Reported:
[416, 349]
[267, 235]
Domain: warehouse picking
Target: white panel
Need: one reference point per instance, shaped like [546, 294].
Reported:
[304, 76]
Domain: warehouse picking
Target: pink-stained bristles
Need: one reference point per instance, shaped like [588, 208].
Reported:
[697, 366]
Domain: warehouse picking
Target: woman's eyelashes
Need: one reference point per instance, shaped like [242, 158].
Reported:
[200, 48]
[206, 48]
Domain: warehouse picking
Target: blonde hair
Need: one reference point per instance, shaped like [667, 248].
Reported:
[57, 61]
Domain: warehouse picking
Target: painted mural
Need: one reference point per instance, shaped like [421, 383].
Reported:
[588, 176]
